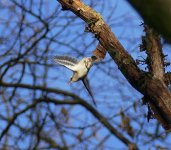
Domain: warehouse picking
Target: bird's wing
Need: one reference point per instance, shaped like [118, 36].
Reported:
[87, 86]
[66, 61]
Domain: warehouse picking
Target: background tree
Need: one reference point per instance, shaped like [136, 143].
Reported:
[39, 110]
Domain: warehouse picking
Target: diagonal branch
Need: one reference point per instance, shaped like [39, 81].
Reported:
[106, 38]
[154, 89]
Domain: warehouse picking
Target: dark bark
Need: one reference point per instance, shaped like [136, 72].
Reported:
[153, 87]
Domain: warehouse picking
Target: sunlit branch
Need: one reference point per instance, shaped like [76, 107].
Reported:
[143, 83]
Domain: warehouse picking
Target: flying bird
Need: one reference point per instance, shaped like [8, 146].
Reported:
[80, 69]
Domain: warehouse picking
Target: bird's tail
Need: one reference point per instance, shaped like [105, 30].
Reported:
[87, 86]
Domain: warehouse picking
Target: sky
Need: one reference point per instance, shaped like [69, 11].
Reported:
[126, 24]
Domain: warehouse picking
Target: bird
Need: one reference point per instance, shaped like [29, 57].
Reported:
[80, 69]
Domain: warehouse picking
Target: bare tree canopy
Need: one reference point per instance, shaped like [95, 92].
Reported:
[129, 78]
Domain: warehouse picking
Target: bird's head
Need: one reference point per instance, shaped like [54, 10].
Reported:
[88, 62]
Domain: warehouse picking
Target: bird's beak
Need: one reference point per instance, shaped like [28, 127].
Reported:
[93, 58]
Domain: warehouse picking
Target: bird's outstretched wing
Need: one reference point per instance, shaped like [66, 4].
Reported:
[87, 86]
[66, 61]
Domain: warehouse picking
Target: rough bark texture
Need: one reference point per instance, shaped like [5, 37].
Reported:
[99, 52]
[154, 51]
[156, 13]
[151, 84]
[168, 78]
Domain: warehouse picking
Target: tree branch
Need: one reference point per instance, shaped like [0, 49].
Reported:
[155, 56]
[99, 52]
[106, 38]
[77, 100]
[154, 89]
[15, 116]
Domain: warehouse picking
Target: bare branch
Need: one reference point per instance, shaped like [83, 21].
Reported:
[155, 90]
[77, 100]
[15, 116]
[106, 38]
[154, 51]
